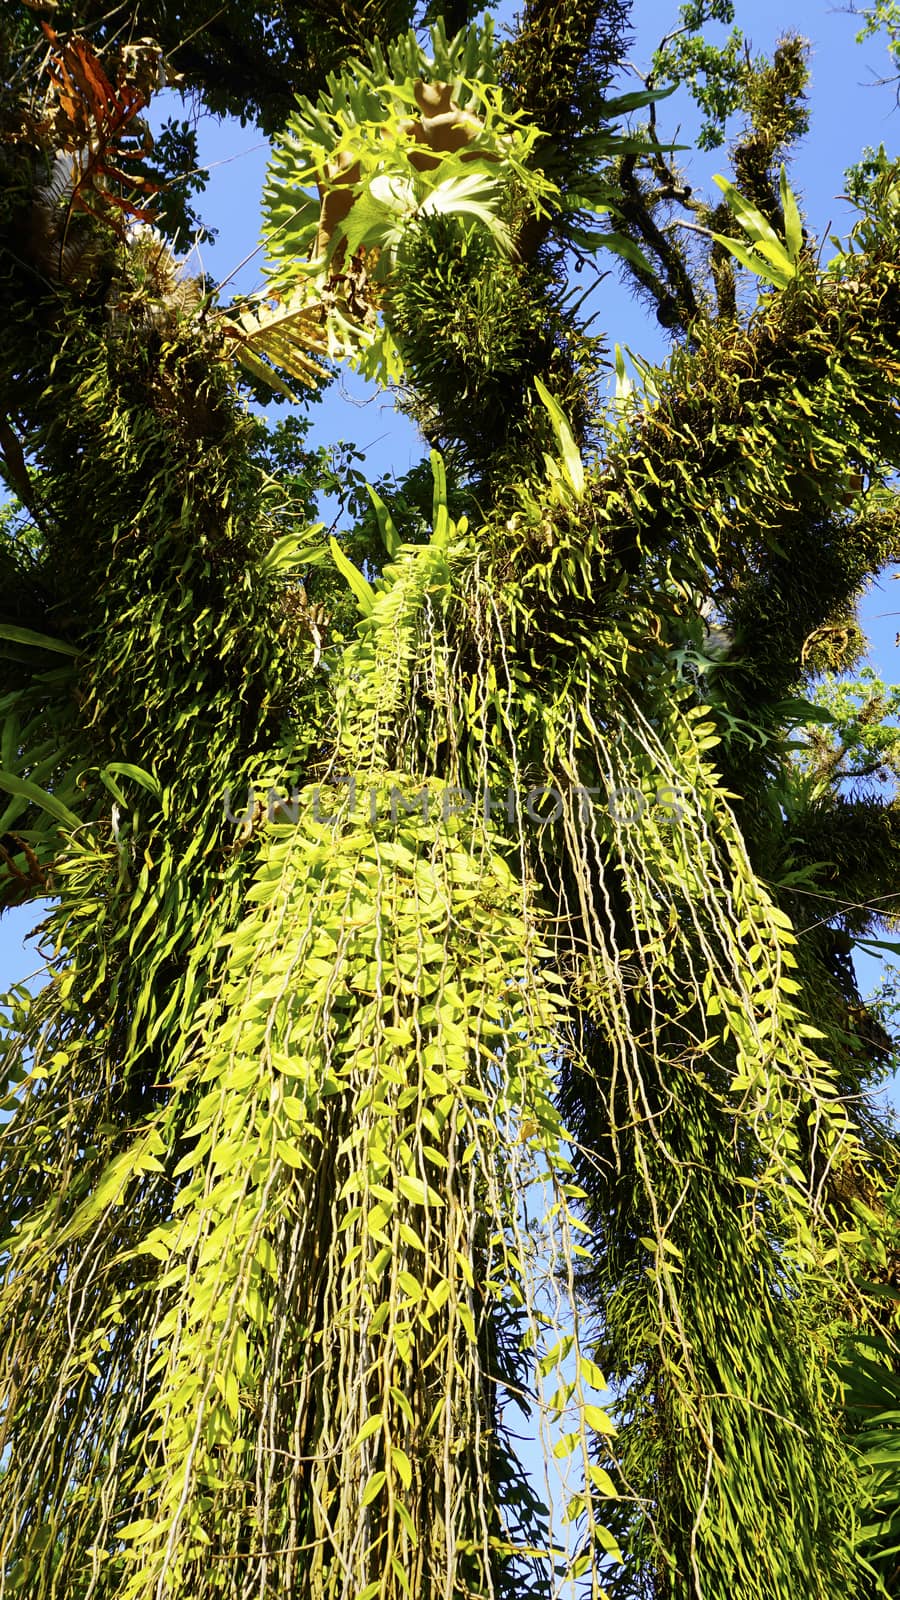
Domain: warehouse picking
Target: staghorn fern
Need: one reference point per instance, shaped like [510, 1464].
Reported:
[390, 144]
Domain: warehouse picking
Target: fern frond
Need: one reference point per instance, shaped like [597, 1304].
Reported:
[286, 333]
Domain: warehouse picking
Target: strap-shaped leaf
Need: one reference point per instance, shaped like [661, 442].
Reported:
[138, 775]
[360, 585]
[571, 455]
[753, 222]
[39, 797]
[441, 515]
[294, 550]
[41, 641]
[621, 104]
[620, 245]
[781, 263]
[793, 225]
[780, 276]
[385, 522]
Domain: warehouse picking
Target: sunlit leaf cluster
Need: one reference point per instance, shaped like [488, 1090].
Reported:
[438, 1045]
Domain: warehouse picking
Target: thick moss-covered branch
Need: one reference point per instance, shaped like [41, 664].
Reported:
[796, 596]
[770, 93]
[777, 117]
[760, 424]
[245, 61]
[673, 290]
[561, 62]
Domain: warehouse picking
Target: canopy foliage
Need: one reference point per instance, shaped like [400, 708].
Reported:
[489, 1069]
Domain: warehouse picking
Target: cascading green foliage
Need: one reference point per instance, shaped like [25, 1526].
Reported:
[339, 1224]
[483, 1061]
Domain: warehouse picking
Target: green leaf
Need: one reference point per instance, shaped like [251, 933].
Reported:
[798, 712]
[755, 225]
[138, 1529]
[25, 790]
[374, 1487]
[570, 453]
[753, 263]
[127, 769]
[290, 1155]
[622, 246]
[597, 1419]
[625, 385]
[109, 783]
[386, 527]
[370, 1426]
[109, 1190]
[407, 1521]
[228, 1387]
[294, 550]
[360, 585]
[621, 104]
[602, 1481]
[591, 1373]
[779, 258]
[890, 945]
[793, 225]
[573, 201]
[40, 641]
[402, 1465]
[370, 225]
[782, 265]
[267, 1258]
[554, 1357]
[440, 514]
[416, 1190]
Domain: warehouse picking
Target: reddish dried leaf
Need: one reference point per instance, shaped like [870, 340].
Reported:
[100, 115]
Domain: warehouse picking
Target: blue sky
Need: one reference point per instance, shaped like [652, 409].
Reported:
[847, 114]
